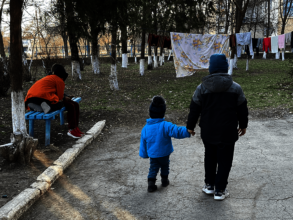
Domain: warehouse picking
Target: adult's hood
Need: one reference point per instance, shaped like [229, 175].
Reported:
[217, 82]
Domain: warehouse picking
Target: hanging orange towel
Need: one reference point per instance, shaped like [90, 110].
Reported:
[50, 88]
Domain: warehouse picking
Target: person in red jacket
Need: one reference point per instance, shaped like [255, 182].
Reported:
[47, 95]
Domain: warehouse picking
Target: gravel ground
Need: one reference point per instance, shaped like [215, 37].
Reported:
[108, 180]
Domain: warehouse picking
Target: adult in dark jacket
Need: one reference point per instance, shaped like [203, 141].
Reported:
[222, 107]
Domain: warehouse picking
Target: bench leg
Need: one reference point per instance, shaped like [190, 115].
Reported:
[48, 132]
[61, 117]
[31, 127]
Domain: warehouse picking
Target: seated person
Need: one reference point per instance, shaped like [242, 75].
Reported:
[47, 95]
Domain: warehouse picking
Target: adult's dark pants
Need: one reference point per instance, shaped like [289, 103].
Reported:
[218, 162]
[72, 108]
[39, 101]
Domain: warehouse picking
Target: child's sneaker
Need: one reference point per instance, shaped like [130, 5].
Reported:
[221, 194]
[152, 185]
[165, 180]
[208, 189]
[73, 133]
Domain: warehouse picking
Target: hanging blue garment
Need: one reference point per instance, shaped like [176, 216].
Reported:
[243, 39]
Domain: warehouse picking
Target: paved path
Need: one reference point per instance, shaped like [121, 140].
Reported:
[108, 180]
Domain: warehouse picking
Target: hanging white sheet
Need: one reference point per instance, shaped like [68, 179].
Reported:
[193, 51]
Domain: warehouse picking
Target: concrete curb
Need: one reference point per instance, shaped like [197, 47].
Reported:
[22, 202]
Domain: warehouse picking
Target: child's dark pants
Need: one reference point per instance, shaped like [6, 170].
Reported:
[156, 164]
[218, 162]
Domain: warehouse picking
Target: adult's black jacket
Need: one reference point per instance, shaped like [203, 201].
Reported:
[222, 106]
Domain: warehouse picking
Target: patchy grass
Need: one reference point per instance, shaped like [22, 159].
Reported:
[266, 85]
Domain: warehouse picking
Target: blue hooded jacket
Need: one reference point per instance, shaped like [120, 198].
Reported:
[156, 136]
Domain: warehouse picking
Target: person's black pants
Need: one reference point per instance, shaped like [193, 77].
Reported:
[218, 162]
[39, 101]
[72, 108]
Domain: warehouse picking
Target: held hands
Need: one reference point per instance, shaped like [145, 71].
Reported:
[191, 132]
[241, 131]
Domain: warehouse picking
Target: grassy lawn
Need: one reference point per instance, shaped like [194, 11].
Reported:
[266, 85]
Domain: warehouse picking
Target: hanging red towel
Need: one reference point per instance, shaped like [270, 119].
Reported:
[161, 41]
[150, 38]
[267, 44]
[153, 39]
[167, 43]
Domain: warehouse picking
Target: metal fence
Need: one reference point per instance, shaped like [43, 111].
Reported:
[84, 51]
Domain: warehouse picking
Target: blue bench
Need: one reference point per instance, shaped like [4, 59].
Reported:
[32, 116]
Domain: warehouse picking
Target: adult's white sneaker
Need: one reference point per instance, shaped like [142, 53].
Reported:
[221, 194]
[208, 189]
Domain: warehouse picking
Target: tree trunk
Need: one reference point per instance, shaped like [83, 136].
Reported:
[95, 59]
[124, 45]
[227, 16]
[283, 29]
[269, 17]
[74, 58]
[113, 75]
[65, 41]
[22, 147]
[150, 61]
[161, 56]
[239, 15]
[2, 51]
[156, 57]
[75, 62]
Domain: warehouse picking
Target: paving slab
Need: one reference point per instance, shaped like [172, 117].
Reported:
[109, 180]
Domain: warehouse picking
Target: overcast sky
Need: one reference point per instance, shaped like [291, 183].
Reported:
[28, 14]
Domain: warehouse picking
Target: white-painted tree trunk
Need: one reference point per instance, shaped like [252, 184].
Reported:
[283, 55]
[44, 64]
[169, 54]
[113, 78]
[76, 74]
[231, 64]
[264, 55]
[141, 67]
[155, 62]
[18, 113]
[135, 59]
[277, 55]
[150, 62]
[29, 68]
[24, 59]
[163, 59]
[95, 64]
[124, 60]
[235, 61]
[247, 65]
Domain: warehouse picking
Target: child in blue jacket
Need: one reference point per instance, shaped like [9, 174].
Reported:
[156, 144]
